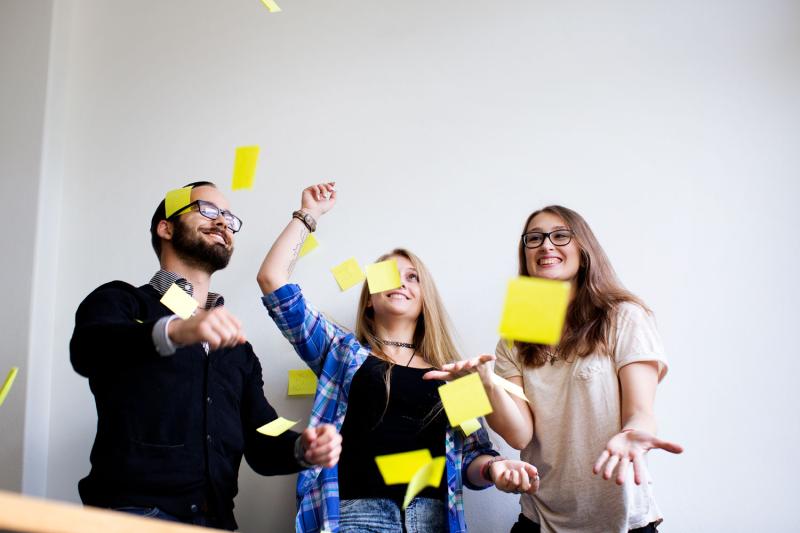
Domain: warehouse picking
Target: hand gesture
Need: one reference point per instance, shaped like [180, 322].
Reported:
[483, 365]
[318, 199]
[626, 447]
[217, 327]
[322, 445]
[517, 477]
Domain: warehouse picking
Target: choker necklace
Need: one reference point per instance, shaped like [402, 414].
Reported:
[399, 344]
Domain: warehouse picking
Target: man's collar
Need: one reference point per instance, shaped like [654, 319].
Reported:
[163, 280]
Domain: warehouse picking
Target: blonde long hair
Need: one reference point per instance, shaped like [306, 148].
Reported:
[432, 335]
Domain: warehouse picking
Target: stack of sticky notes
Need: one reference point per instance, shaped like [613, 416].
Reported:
[534, 310]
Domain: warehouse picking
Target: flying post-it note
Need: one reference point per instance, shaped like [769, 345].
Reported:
[276, 427]
[534, 310]
[310, 244]
[470, 426]
[348, 274]
[511, 388]
[430, 475]
[271, 5]
[12, 375]
[399, 468]
[177, 199]
[383, 276]
[179, 302]
[302, 383]
[244, 167]
[464, 399]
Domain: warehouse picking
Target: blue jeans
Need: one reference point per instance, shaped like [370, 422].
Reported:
[374, 515]
[155, 512]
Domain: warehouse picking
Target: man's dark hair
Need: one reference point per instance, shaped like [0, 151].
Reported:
[161, 214]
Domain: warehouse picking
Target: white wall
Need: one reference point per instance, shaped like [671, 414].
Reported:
[672, 127]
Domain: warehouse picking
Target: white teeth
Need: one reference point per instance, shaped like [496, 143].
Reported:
[549, 261]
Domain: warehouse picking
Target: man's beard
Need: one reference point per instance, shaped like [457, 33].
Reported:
[193, 249]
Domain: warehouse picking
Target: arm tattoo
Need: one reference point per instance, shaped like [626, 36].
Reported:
[296, 251]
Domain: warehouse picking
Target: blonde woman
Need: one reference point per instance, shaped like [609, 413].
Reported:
[590, 415]
[371, 388]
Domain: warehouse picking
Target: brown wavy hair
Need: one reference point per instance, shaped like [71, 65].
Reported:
[590, 319]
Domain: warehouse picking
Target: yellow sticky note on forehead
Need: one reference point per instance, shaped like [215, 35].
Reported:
[464, 399]
[383, 276]
[179, 302]
[12, 375]
[244, 167]
[310, 244]
[348, 274]
[177, 199]
[277, 426]
[271, 5]
[302, 383]
[399, 468]
[534, 310]
[429, 475]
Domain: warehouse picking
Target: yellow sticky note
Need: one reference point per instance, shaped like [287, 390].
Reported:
[302, 383]
[534, 310]
[244, 167]
[511, 388]
[177, 199]
[399, 468]
[470, 426]
[310, 244]
[271, 5]
[464, 399]
[429, 475]
[276, 427]
[12, 375]
[383, 276]
[179, 302]
[348, 274]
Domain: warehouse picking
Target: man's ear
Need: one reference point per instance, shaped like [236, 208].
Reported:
[164, 230]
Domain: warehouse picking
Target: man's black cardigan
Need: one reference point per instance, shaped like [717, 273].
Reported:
[171, 431]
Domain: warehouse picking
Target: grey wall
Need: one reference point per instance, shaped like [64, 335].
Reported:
[672, 127]
[24, 54]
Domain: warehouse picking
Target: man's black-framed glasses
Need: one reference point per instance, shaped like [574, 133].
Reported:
[212, 212]
[559, 237]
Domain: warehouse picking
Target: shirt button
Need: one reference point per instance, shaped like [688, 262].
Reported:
[209, 401]
[193, 508]
[208, 438]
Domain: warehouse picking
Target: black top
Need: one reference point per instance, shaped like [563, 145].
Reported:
[414, 419]
[171, 431]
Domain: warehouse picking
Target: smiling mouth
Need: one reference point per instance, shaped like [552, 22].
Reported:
[217, 236]
[397, 296]
[548, 261]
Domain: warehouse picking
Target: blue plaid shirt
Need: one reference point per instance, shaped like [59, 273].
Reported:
[335, 355]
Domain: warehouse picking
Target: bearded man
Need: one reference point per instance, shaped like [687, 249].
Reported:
[179, 401]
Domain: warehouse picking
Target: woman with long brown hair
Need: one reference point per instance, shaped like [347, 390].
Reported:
[591, 397]
[370, 386]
